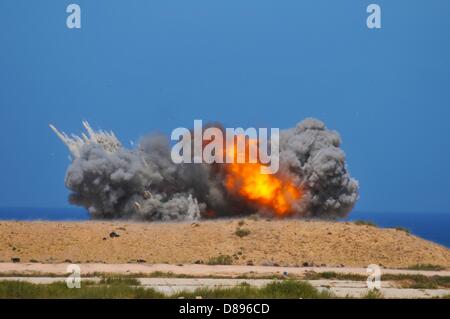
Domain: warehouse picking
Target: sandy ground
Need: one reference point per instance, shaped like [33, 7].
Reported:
[270, 242]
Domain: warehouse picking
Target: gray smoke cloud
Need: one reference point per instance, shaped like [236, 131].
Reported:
[112, 182]
[311, 152]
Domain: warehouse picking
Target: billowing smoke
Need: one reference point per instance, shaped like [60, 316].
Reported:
[311, 152]
[111, 181]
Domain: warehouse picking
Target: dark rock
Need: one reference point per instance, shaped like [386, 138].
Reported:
[114, 234]
[198, 262]
[33, 261]
[305, 264]
[250, 263]
[68, 261]
[15, 259]
[276, 265]
[141, 261]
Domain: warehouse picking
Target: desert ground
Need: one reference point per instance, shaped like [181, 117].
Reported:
[185, 257]
[294, 243]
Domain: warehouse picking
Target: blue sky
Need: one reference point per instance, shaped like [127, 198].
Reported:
[138, 67]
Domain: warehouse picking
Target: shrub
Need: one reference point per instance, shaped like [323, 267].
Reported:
[365, 223]
[120, 281]
[242, 232]
[220, 260]
[311, 275]
[400, 228]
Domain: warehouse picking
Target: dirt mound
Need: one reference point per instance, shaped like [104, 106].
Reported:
[237, 241]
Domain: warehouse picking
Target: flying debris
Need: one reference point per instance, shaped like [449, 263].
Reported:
[147, 195]
[144, 183]
[107, 140]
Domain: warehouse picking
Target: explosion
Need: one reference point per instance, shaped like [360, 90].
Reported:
[112, 182]
[266, 191]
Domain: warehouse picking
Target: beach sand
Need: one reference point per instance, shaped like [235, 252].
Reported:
[269, 243]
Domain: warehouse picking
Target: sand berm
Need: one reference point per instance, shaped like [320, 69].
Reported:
[262, 242]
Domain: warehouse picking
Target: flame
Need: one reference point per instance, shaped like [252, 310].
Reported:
[271, 192]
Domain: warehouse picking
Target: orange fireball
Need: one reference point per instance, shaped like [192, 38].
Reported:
[271, 192]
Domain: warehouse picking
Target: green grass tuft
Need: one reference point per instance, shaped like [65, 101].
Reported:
[18, 289]
[373, 294]
[419, 281]
[426, 267]
[120, 289]
[220, 260]
[288, 289]
[400, 228]
[365, 223]
[311, 275]
[242, 232]
[120, 281]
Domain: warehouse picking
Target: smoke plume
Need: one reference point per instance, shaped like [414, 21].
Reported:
[111, 181]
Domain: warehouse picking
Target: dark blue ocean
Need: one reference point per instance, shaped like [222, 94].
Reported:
[431, 226]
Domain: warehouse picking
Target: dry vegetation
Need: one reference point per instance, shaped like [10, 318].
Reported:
[126, 288]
